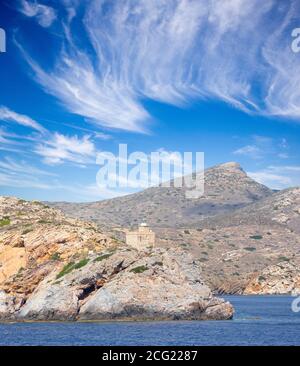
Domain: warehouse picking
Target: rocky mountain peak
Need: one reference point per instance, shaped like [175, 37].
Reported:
[231, 165]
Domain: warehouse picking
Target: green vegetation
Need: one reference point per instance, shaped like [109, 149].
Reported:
[4, 221]
[41, 204]
[256, 237]
[282, 258]
[67, 269]
[38, 203]
[261, 278]
[20, 272]
[55, 257]
[27, 230]
[250, 249]
[44, 222]
[70, 266]
[81, 263]
[139, 269]
[102, 257]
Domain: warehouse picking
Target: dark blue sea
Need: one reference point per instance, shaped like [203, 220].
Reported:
[258, 320]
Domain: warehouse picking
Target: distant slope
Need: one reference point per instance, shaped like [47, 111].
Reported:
[280, 209]
[227, 187]
[236, 230]
[236, 246]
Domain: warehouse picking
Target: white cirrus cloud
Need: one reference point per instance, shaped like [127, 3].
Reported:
[8, 164]
[45, 15]
[264, 146]
[237, 51]
[8, 115]
[278, 177]
[252, 151]
[61, 148]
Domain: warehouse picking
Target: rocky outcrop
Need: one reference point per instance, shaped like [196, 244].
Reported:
[35, 239]
[57, 268]
[127, 285]
[282, 278]
[160, 285]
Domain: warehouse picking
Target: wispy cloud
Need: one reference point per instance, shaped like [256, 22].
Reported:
[263, 146]
[237, 51]
[60, 148]
[252, 151]
[44, 15]
[21, 175]
[13, 166]
[278, 177]
[8, 115]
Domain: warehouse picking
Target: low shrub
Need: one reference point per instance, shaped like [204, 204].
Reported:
[102, 257]
[66, 269]
[81, 263]
[261, 278]
[4, 221]
[139, 269]
[27, 230]
[70, 266]
[55, 257]
[282, 258]
[256, 237]
[250, 249]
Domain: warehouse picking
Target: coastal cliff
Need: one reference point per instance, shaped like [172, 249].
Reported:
[57, 268]
[278, 279]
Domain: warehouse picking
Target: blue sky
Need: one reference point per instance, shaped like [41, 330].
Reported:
[184, 75]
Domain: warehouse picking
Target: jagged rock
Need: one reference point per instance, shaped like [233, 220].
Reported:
[59, 298]
[282, 278]
[127, 284]
[8, 305]
[160, 285]
[35, 237]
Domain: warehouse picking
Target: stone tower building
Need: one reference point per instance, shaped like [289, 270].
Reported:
[141, 238]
